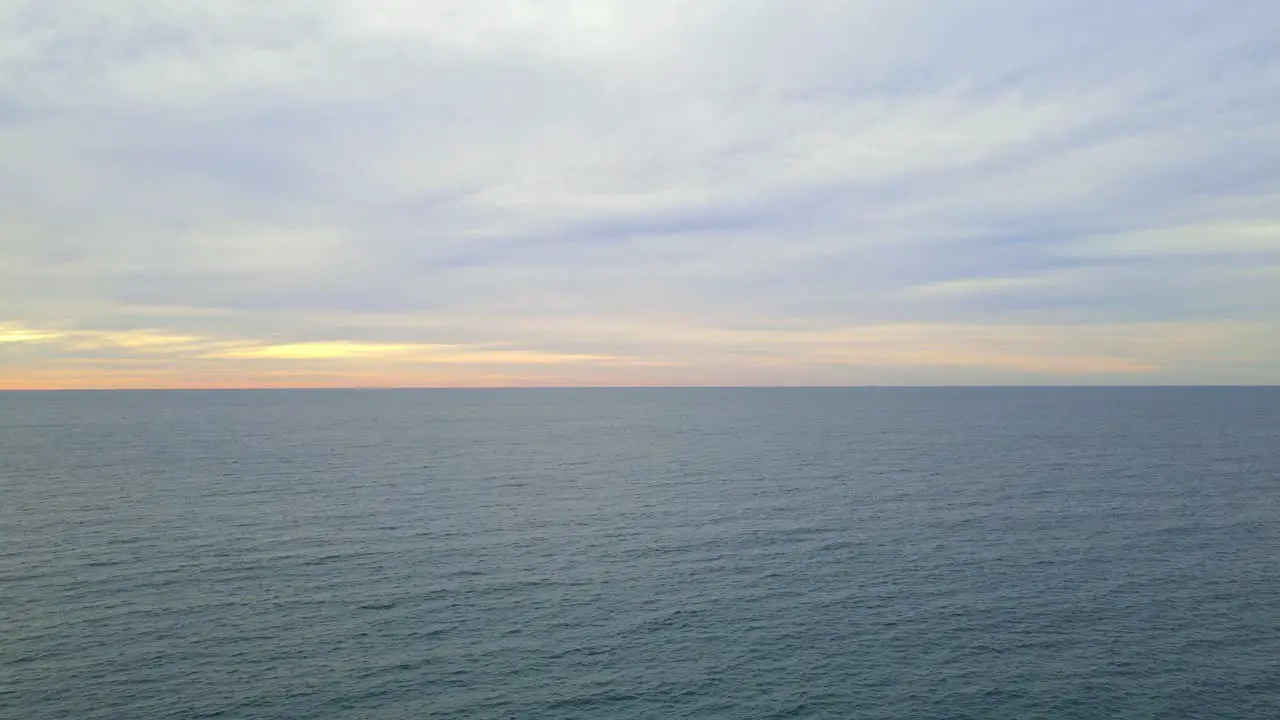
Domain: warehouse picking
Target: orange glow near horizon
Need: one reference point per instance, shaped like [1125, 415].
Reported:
[35, 358]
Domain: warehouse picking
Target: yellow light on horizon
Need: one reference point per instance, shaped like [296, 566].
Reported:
[320, 351]
[20, 335]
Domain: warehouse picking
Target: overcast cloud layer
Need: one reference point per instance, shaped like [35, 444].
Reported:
[497, 192]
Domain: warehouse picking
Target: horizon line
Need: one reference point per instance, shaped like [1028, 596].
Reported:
[638, 387]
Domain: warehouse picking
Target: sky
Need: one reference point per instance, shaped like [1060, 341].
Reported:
[311, 193]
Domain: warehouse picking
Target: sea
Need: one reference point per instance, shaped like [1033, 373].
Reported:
[620, 554]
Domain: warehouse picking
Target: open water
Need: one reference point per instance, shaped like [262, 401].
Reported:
[620, 554]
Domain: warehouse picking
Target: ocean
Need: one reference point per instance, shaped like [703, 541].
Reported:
[641, 553]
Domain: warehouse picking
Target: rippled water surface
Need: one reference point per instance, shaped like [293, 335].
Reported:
[862, 553]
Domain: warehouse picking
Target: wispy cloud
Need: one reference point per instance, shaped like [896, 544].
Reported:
[600, 192]
[1259, 241]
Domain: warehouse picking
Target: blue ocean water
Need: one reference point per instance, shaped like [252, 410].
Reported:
[644, 553]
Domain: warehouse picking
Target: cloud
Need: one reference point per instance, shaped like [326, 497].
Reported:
[413, 353]
[1254, 240]
[661, 184]
[983, 286]
[22, 335]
